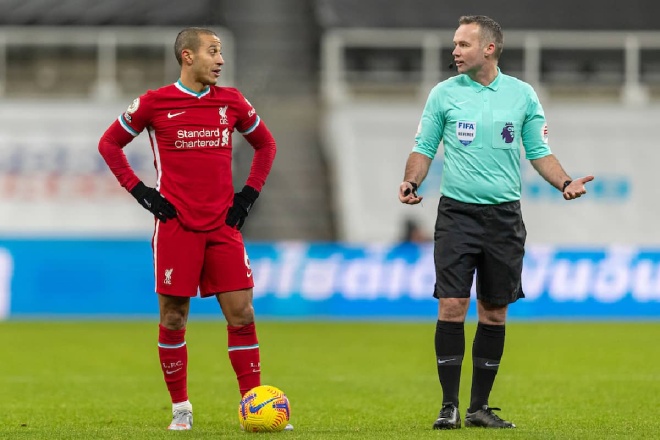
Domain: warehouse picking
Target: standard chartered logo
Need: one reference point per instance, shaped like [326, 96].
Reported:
[201, 138]
[6, 272]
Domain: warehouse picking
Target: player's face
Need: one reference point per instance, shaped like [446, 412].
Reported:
[468, 49]
[208, 60]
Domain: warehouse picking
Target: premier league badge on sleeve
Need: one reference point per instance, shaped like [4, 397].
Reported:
[134, 106]
[131, 109]
[466, 131]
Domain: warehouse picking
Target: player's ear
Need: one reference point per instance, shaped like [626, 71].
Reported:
[186, 56]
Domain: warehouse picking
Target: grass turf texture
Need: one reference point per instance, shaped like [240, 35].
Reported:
[101, 380]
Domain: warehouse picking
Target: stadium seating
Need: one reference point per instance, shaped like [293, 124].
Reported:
[93, 13]
[518, 14]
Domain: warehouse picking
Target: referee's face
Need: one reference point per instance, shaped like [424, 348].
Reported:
[468, 51]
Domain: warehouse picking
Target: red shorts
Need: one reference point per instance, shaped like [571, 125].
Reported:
[214, 261]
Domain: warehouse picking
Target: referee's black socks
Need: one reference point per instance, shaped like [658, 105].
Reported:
[487, 352]
[449, 351]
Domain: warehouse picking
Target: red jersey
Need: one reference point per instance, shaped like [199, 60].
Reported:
[191, 139]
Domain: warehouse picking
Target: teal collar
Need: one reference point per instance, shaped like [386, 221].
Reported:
[186, 90]
[479, 87]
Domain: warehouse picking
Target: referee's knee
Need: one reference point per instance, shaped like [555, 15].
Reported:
[453, 309]
[491, 314]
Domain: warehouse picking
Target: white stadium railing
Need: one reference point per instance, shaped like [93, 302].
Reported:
[105, 42]
[336, 83]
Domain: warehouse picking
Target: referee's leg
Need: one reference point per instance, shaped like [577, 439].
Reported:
[487, 352]
[450, 346]
[449, 350]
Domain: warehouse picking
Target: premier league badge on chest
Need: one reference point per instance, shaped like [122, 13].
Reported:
[466, 131]
[508, 133]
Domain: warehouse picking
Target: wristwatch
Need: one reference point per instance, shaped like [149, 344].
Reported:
[566, 183]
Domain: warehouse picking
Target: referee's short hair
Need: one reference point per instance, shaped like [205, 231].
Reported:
[489, 30]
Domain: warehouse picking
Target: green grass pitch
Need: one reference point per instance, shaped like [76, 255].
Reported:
[354, 380]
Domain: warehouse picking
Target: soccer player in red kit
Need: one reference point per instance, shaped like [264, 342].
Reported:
[197, 242]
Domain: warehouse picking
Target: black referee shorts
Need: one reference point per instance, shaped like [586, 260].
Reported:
[487, 238]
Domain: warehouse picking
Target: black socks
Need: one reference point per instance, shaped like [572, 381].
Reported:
[486, 354]
[449, 350]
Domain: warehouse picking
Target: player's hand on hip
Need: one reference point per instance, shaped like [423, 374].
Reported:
[408, 193]
[154, 202]
[243, 202]
[577, 188]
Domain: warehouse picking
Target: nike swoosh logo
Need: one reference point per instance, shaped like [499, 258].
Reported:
[446, 360]
[253, 409]
[459, 103]
[249, 274]
[173, 371]
[491, 365]
[171, 115]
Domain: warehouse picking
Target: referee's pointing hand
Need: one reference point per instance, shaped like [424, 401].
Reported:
[576, 188]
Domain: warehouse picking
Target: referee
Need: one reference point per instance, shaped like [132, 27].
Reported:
[483, 117]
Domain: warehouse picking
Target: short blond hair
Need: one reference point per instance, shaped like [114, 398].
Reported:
[490, 31]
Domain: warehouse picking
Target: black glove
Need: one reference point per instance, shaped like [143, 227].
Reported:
[243, 202]
[153, 202]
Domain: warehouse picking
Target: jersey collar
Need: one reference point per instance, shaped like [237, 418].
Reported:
[187, 91]
[479, 87]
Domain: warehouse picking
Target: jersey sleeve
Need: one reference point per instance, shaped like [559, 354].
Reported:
[250, 125]
[247, 118]
[431, 126]
[138, 115]
[111, 147]
[535, 129]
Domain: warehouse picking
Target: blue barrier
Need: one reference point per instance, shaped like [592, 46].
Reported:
[114, 278]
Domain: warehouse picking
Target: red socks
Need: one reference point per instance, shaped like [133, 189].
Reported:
[173, 355]
[243, 353]
[244, 356]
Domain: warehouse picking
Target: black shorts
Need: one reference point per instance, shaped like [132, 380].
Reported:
[487, 238]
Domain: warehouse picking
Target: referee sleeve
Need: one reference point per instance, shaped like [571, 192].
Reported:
[431, 126]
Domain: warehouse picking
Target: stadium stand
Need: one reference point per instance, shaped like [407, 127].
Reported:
[117, 12]
[514, 14]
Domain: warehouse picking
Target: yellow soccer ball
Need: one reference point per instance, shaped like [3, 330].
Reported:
[264, 409]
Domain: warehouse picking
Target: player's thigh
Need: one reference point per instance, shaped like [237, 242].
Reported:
[226, 263]
[499, 274]
[178, 259]
[457, 248]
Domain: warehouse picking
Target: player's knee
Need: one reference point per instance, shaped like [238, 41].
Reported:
[246, 314]
[173, 311]
[243, 315]
[173, 319]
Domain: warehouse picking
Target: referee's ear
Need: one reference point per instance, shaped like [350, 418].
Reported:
[489, 50]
